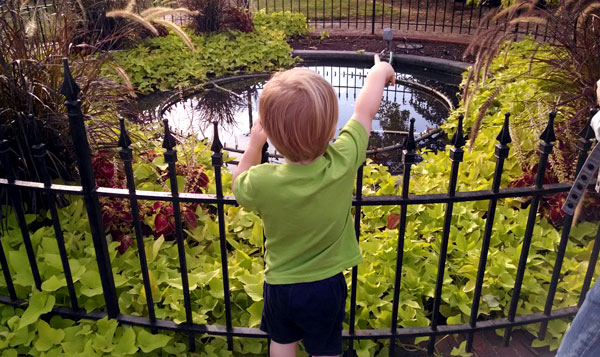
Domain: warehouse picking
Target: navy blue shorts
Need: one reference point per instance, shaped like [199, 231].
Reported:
[312, 312]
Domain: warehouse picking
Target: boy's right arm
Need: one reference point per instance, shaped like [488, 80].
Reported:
[253, 152]
[370, 95]
[598, 91]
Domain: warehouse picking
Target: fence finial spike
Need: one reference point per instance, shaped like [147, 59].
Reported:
[410, 143]
[548, 134]
[504, 136]
[216, 143]
[124, 140]
[69, 88]
[458, 140]
[587, 133]
[169, 141]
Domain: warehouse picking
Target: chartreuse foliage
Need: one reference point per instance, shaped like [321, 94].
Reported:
[244, 234]
[25, 333]
[521, 87]
[291, 23]
[163, 63]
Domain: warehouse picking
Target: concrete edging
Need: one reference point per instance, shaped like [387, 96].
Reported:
[438, 64]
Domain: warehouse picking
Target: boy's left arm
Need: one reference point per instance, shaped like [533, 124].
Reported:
[253, 152]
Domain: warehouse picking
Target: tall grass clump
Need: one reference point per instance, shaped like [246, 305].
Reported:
[33, 42]
[566, 59]
[554, 69]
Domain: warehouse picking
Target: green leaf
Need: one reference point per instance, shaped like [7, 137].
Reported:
[180, 183]
[175, 349]
[206, 277]
[143, 172]
[156, 246]
[255, 311]
[461, 350]
[22, 337]
[159, 162]
[53, 283]
[421, 339]
[456, 319]
[39, 303]
[91, 283]
[48, 336]
[490, 300]
[102, 340]
[126, 344]
[148, 342]
[18, 262]
[10, 353]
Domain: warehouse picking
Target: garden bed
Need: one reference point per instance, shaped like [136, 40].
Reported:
[166, 63]
[368, 43]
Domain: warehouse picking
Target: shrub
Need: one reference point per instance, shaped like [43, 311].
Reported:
[219, 15]
[293, 24]
[163, 63]
[529, 89]
[566, 70]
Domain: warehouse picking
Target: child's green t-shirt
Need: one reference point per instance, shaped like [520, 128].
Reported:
[306, 210]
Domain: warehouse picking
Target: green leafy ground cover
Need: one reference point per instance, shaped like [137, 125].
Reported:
[23, 332]
[244, 234]
[163, 63]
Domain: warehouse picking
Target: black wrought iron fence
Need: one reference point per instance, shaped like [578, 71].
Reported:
[405, 15]
[91, 194]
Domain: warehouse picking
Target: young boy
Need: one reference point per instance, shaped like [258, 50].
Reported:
[305, 204]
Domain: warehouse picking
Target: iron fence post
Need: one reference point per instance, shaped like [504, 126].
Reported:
[501, 152]
[4, 148]
[357, 213]
[217, 162]
[17, 204]
[409, 157]
[456, 156]
[70, 90]
[373, 19]
[584, 143]
[545, 149]
[170, 156]
[126, 155]
[40, 155]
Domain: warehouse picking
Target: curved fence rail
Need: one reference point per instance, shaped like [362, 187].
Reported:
[91, 194]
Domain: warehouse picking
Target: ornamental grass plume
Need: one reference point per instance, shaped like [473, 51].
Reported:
[33, 42]
[560, 63]
[571, 31]
[155, 15]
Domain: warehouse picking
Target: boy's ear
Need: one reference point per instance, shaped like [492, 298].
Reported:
[332, 134]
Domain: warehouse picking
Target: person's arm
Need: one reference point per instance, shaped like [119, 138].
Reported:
[596, 119]
[253, 152]
[369, 98]
[598, 91]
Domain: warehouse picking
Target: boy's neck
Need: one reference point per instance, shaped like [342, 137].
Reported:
[305, 162]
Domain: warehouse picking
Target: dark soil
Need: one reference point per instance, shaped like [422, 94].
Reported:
[445, 50]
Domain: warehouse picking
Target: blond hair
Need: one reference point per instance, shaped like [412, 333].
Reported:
[298, 110]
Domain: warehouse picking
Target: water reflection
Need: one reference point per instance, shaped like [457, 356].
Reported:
[233, 102]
